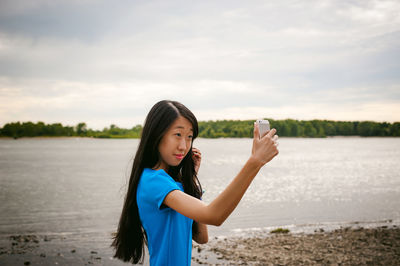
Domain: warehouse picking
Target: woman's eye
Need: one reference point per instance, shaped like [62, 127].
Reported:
[190, 137]
[178, 134]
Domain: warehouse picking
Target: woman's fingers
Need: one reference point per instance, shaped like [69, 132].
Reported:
[255, 137]
[256, 131]
[268, 148]
[196, 151]
[196, 154]
[265, 148]
[271, 133]
[275, 140]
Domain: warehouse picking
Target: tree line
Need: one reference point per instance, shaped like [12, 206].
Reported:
[214, 129]
[300, 128]
[40, 129]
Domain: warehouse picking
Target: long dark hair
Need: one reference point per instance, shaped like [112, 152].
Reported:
[130, 237]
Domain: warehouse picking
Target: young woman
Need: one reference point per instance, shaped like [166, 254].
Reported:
[163, 206]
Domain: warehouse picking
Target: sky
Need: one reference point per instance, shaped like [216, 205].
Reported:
[109, 62]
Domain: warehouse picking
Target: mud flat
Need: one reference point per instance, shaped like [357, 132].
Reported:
[38, 249]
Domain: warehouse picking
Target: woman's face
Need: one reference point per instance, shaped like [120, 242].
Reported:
[176, 143]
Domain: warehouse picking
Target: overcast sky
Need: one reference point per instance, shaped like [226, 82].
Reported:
[108, 62]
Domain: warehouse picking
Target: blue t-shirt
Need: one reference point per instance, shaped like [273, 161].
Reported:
[169, 232]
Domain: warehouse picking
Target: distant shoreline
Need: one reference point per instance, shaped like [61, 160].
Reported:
[281, 137]
[214, 129]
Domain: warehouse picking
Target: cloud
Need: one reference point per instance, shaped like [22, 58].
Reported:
[109, 62]
[373, 111]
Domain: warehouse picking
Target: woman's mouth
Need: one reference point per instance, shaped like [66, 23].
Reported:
[179, 156]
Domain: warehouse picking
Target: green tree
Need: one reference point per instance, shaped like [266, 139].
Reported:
[395, 129]
[81, 129]
[329, 128]
[309, 129]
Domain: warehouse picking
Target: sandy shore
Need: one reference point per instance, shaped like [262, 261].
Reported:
[344, 246]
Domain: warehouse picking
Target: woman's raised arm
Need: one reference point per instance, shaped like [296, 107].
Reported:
[220, 208]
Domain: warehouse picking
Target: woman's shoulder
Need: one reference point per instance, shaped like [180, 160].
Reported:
[154, 179]
[149, 173]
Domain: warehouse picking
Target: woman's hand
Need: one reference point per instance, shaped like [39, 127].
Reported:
[196, 155]
[265, 148]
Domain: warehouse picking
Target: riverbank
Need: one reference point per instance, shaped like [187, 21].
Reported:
[344, 246]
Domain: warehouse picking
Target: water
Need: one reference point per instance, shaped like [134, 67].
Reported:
[311, 181]
[76, 186]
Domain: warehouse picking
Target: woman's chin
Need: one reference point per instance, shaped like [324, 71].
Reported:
[175, 163]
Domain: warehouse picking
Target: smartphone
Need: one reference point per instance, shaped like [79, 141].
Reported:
[263, 127]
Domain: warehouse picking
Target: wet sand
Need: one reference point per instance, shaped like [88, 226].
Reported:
[344, 246]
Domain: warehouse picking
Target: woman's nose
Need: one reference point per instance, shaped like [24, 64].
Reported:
[182, 145]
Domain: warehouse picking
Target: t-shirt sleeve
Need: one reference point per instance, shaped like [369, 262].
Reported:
[158, 186]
